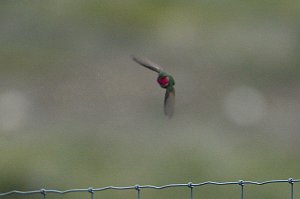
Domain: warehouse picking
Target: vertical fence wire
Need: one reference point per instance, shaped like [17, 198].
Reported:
[91, 191]
[43, 192]
[190, 185]
[137, 187]
[291, 181]
[241, 183]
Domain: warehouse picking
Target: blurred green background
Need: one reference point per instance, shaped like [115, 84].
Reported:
[76, 111]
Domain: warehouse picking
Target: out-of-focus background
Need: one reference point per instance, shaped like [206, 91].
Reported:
[76, 111]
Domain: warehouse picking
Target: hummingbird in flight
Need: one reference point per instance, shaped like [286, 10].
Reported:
[165, 80]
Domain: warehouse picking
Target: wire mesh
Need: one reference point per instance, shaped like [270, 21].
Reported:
[139, 188]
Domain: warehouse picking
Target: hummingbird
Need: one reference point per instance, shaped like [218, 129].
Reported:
[165, 80]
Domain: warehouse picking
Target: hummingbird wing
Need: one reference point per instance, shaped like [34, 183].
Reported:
[147, 63]
[169, 102]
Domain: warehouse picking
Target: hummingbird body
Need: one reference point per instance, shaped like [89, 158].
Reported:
[165, 81]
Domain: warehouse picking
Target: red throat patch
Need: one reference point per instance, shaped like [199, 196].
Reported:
[163, 81]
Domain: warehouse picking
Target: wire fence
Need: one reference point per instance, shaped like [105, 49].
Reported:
[138, 188]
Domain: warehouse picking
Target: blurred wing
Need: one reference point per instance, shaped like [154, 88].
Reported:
[169, 103]
[147, 63]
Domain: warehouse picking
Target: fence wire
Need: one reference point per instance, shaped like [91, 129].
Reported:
[139, 188]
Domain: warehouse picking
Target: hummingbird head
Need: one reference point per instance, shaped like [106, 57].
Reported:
[163, 80]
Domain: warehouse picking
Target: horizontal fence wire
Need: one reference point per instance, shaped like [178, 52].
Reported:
[139, 188]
